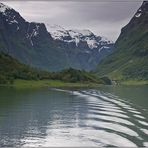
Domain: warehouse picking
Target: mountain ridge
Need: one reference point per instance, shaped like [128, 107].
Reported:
[32, 44]
[76, 35]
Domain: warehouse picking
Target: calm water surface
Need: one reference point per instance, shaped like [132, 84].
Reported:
[107, 116]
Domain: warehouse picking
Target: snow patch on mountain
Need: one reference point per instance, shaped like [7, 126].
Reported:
[13, 21]
[139, 13]
[105, 40]
[3, 8]
[10, 16]
[59, 33]
[33, 33]
[91, 43]
[83, 35]
[103, 47]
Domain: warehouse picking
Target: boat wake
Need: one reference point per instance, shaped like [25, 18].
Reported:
[103, 120]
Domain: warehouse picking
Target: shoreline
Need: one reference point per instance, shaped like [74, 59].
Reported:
[134, 82]
[49, 83]
[60, 84]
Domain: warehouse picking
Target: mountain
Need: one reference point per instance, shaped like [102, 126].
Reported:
[28, 42]
[86, 47]
[79, 38]
[130, 57]
[31, 43]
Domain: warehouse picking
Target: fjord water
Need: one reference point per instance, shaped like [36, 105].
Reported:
[107, 116]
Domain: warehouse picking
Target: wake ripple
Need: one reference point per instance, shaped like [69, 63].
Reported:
[115, 116]
[106, 121]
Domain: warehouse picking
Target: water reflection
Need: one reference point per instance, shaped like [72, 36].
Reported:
[70, 118]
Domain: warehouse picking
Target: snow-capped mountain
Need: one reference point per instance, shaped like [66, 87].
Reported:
[12, 21]
[53, 49]
[78, 36]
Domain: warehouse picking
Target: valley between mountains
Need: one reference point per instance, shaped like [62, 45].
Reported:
[54, 49]
[30, 51]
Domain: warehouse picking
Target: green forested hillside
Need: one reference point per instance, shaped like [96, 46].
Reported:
[130, 58]
[11, 69]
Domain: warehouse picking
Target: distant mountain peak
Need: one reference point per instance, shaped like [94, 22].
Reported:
[4, 8]
[77, 36]
[11, 16]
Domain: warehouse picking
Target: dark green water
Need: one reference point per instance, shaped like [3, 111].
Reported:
[107, 116]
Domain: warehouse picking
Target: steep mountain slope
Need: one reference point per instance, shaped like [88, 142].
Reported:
[130, 57]
[32, 44]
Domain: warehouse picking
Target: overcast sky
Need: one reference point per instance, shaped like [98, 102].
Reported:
[102, 17]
